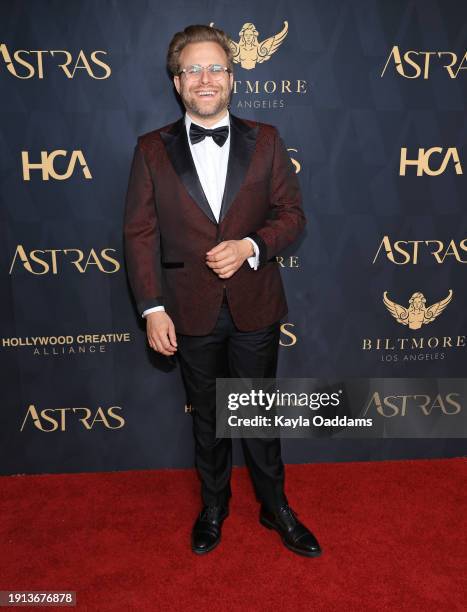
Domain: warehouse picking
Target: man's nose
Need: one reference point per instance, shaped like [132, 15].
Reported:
[205, 76]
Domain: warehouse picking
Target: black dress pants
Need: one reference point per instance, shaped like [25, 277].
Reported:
[227, 352]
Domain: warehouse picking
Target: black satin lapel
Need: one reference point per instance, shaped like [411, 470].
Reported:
[178, 150]
[242, 145]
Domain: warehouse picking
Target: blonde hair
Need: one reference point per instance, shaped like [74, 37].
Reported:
[195, 34]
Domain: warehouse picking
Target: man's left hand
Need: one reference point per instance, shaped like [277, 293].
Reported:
[227, 257]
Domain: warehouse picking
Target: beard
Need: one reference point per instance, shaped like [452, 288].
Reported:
[200, 108]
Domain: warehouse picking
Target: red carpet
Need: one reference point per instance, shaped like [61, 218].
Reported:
[393, 535]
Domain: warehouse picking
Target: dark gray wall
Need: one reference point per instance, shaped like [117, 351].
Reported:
[344, 122]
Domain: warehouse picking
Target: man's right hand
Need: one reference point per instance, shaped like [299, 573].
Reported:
[161, 333]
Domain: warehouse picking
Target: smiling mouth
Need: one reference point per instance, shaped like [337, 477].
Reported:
[206, 93]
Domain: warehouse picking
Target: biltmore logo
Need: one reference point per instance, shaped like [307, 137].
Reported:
[417, 314]
[414, 317]
[248, 52]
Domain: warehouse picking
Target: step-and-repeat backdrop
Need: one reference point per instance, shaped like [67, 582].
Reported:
[370, 99]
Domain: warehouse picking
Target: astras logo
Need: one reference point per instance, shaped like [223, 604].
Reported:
[56, 419]
[51, 261]
[423, 404]
[24, 64]
[413, 64]
[411, 252]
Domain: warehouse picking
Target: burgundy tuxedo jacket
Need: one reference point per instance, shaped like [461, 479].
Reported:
[169, 227]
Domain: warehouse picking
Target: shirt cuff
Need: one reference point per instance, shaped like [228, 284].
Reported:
[153, 309]
[254, 259]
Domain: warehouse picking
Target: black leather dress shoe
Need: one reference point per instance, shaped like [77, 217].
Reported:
[295, 536]
[206, 533]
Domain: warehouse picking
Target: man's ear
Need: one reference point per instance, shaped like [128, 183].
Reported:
[177, 83]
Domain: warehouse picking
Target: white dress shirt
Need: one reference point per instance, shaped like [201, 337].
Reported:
[211, 165]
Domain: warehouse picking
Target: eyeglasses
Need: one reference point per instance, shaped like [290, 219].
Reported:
[215, 70]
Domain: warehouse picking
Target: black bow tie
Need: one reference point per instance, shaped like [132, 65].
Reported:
[199, 133]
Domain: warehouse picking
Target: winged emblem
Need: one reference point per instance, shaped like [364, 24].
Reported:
[249, 51]
[417, 314]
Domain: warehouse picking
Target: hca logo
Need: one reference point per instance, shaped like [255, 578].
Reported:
[414, 64]
[30, 64]
[422, 162]
[46, 165]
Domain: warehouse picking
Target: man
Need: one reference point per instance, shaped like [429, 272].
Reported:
[212, 199]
